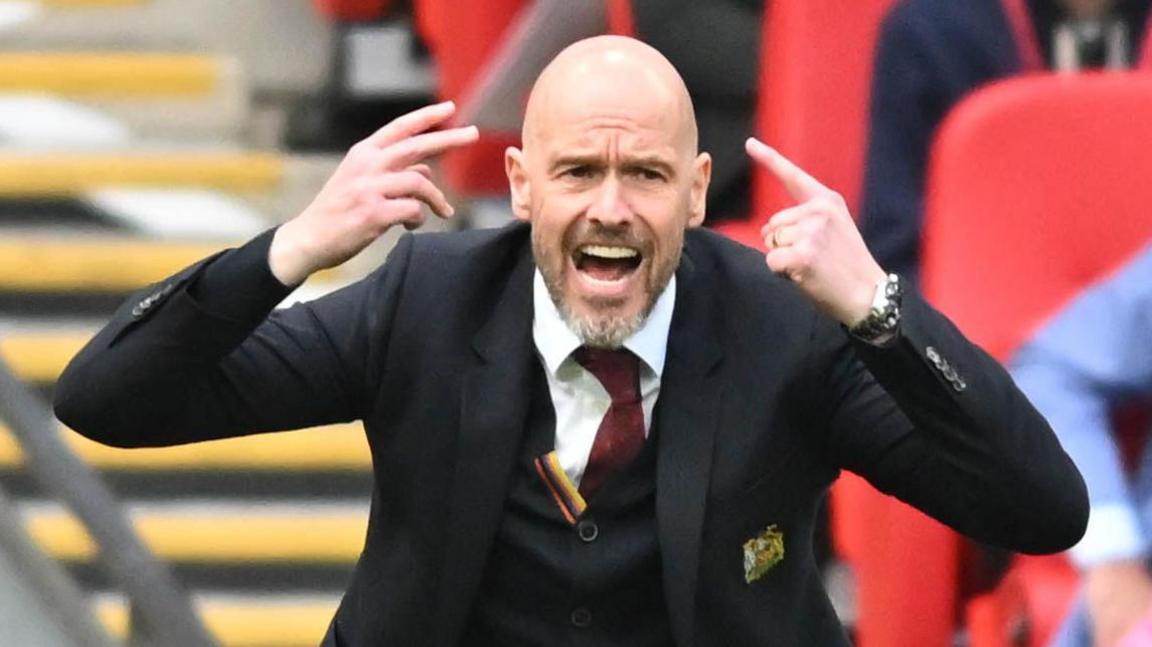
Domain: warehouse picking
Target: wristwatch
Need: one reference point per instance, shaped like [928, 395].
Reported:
[883, 320]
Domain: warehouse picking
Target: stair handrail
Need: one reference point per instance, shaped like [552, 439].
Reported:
[163, 613]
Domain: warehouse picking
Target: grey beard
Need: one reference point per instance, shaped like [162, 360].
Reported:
[607, 333]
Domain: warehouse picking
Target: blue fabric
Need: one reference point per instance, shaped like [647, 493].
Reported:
[930, 54]
[1097, 354]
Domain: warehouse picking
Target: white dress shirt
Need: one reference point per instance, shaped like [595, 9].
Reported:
[580, 401]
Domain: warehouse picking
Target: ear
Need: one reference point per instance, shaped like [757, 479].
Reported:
[518, 184]
[698, 194]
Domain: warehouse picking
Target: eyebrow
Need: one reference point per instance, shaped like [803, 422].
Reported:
[594, 160]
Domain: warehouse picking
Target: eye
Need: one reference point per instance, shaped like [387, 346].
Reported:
[647, 174]
[581, 172]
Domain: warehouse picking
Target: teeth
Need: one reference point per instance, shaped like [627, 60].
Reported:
[604, 251]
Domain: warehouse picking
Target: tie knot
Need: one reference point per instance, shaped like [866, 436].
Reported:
[617, 369]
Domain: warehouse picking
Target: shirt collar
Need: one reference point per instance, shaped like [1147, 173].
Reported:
[555, 341]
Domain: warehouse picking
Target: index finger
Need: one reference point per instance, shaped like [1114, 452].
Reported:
[420, 147]
[412, 123]
[801, 186]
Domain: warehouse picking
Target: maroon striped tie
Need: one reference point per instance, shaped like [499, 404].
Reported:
[621, 433]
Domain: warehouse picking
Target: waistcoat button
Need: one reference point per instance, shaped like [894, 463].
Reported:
[587, 530]
[581, 617]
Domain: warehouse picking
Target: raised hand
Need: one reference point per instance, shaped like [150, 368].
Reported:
[815, 243]
[381, 182]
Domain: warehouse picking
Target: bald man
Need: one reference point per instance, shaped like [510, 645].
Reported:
[601, 425]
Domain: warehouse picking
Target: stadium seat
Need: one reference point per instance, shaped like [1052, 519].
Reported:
[815, 78]
[461, 35]
[815, 87]
[620, 19]
[1037, 188]
[353, 10]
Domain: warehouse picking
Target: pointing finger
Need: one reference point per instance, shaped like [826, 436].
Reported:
[801, 186]
[412, 123]
[420, 147]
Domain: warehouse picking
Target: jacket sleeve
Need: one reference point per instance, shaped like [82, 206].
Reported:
[203, 355]
[933, 420]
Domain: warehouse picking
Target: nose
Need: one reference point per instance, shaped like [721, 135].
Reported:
[609, 206]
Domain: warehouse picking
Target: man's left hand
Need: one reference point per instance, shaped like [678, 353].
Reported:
[816, 244]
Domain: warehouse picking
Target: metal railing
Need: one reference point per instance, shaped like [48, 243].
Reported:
[162, 612]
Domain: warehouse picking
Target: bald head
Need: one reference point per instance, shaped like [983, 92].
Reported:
[610, 76]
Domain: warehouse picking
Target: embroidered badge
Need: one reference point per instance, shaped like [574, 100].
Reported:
[762, 552]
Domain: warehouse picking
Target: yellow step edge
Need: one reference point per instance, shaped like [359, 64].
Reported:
[106, 265]
[96, 265]
[110, 75]
[241, 623]
[40, 357]
[217, 537]
[41, 175]
[341, 447]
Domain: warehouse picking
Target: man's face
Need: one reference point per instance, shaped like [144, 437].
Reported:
[610, 185]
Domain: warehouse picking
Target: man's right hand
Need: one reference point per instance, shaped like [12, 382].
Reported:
[382, 181]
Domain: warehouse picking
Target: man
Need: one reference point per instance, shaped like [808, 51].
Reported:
[1092, 357]
[933, 53]
[604, 426]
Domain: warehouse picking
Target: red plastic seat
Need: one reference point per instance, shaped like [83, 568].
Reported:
[620, 18]
[1038, 187]
[815, 86]
[462, 35]
[815, 80]
[352, 10]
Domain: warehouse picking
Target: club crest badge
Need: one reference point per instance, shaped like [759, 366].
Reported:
[762, 552]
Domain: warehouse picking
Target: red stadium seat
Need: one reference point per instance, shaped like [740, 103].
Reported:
[620, 20]
[352, 10]
[815, 78]
[815, 86]
[462, 35]
[1038, 187]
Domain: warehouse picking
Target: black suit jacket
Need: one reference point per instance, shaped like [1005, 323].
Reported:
[762, 402]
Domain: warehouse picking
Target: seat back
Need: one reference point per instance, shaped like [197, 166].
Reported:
[1037, 187]
[815, 83]
[816, 77]
[352, 10]
[462, 35]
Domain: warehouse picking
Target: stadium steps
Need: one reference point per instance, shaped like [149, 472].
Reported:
[125, 127]
[159, 95]
[283, 620]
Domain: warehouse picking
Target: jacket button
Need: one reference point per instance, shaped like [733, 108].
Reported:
[933, 355]
[587, 530]
[581, 617]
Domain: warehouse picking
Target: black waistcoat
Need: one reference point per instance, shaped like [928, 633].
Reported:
[552, 582]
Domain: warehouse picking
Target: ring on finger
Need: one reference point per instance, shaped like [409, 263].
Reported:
[776, 238]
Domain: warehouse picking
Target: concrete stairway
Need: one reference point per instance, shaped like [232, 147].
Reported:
[125, 135]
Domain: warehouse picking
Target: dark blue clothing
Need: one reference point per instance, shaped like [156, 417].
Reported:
[930, 55]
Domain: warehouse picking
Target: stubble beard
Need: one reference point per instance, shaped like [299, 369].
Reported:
[603, 331]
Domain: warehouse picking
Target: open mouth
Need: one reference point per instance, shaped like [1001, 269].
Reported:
[607, 262]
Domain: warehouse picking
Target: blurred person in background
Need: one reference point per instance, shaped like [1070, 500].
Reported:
[722, 80]
[932, 53]
[1090, 360]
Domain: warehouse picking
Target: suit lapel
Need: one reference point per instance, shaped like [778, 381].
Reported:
[687, 421]
[492, 419]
